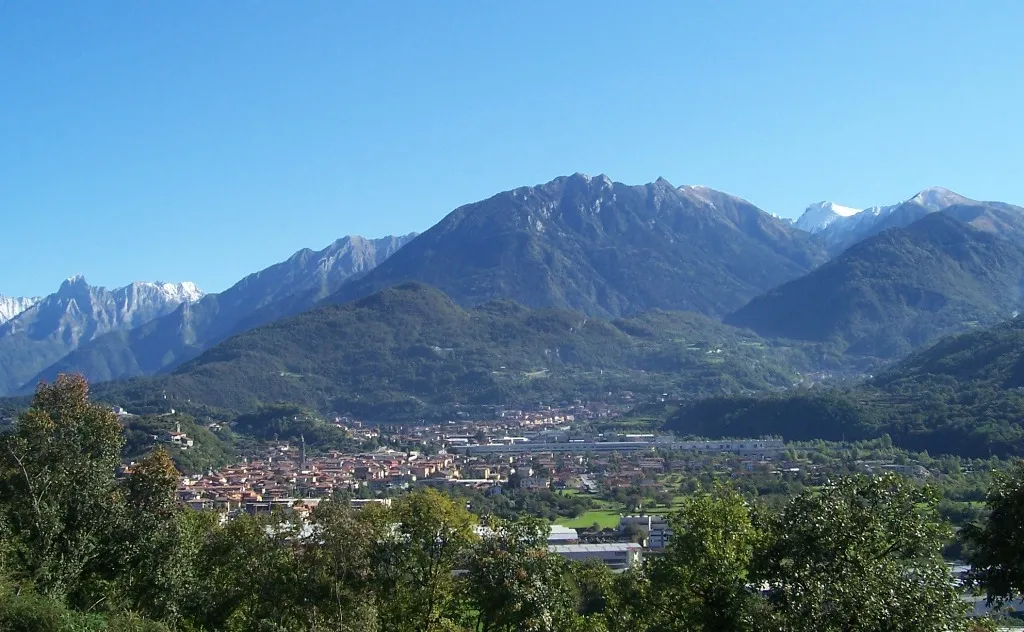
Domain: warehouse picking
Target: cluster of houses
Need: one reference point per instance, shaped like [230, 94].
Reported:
[287, 473]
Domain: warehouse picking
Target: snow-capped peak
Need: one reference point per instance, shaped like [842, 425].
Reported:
[698, 191]
[184, 292]
[938, 198]
[187, 291]
[11, 307]
[817, 217]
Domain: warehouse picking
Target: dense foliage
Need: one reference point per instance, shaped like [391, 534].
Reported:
[209, 450]
[283, 422]
[86, 550]
[961, 396]
[402, 352]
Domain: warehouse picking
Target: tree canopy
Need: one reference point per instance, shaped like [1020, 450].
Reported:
[88, 545]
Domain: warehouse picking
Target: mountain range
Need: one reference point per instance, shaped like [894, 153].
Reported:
[603, 248]
[182, 333]
[897, 290]
[77, 313]
[841, 226]
[868, 284]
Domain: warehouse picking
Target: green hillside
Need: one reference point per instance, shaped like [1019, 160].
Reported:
[404, 351]
[962, 396]
[897, 291]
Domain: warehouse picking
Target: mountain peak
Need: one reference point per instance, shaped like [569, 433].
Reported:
[184, 292]
[896, 289]
[583, 180]
[167, 324]
[73, 284]
[938, 198]
[554, 245]
[820, 215]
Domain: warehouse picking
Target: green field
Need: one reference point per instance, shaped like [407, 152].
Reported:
[603, 517]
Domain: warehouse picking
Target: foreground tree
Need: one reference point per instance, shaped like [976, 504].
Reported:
[700, 582]
[861, 554]
[250, 577]
[614, 602]
[60, 501]
[73, 536]
[415, 562]
[515, 584]
[154, 540]
[996, 546]
[339, 566]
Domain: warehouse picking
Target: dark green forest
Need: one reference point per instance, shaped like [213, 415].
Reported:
[961, 396]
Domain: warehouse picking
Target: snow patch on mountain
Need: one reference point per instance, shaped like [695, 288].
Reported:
[184, 292]
[819, 216]
[938, 198]
[87, 308]
[839, 224]
[12, 306]
[699, 192]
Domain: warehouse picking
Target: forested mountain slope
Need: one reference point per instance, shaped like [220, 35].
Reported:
[897, 290]
[406, 350]
[964, 395]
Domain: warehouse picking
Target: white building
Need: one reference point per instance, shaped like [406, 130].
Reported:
[615, 555]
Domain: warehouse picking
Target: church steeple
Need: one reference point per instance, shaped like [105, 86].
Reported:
[302, 453]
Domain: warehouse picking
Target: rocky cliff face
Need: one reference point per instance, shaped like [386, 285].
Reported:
[283, 289]
[11, 306]
[78, 312]
[603, 248]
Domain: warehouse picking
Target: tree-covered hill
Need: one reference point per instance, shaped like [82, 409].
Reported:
[897, 291]
[963, 396]
[403, 351]
[209, 450]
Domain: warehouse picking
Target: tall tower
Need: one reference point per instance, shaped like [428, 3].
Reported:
[302, 453]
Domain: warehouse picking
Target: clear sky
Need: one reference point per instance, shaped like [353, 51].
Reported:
[205, 140]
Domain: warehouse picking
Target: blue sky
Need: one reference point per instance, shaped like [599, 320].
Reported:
[205, 140]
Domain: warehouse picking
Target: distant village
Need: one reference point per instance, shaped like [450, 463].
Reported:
[554, 449]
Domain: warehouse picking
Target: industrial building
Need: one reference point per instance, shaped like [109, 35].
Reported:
[656, 527]
[746, 447]
[614, 555]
